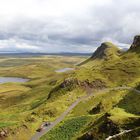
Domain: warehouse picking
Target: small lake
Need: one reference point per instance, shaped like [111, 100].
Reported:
[64, 70]
[12, 79]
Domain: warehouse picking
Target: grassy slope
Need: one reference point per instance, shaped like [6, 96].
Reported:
[67, 129]
[23, 107]
[32, 105]
[122, 107]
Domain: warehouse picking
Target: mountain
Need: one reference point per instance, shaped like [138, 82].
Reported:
[107, 50]
[99, 99]
[108, 113]
[113, 111]
[135, 47]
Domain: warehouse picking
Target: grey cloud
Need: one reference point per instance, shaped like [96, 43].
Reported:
[119, 21]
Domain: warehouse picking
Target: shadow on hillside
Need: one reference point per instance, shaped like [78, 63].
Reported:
[131, 102]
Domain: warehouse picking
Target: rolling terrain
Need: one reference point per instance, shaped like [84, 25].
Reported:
[107, 114]
[24, 106]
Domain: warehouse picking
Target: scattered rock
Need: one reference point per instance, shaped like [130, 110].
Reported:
[3, 133]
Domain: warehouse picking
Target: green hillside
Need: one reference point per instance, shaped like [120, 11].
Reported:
[112, 109]
[109, 112]
[24, 106]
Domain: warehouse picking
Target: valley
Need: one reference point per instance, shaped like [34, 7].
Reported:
[20, 102]
[84, 97]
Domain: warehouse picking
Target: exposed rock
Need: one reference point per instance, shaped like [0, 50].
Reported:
[136, 43]
[97, 84]
[3, 133]
[69, 82]
[107, 50]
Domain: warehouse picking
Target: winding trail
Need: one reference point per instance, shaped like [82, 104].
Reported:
[38, 135]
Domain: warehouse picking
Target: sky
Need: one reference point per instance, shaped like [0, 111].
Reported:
[67, 25]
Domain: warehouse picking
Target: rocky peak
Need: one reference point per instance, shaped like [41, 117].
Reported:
[105, 51]
[136, 43]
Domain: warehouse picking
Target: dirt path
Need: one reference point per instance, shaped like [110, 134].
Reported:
[48, 128]
[38, 135]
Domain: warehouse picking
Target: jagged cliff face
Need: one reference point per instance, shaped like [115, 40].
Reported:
[107, 50]
[100, 52]
[136, 44]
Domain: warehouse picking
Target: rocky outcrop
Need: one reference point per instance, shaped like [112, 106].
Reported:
[73, 82]
[97, 84]
[107, 50]
[70, 83]
[136, 43]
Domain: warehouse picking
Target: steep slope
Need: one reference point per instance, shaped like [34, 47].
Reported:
[106, 113]
[135, 47]
[110, 64]
[121, 111]
[107, 50]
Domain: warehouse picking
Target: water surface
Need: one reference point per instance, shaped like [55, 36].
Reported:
[12, 79]
[64, 69]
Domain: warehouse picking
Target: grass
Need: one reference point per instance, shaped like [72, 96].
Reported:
[26, 104]
[5, 124]
[119, 116]
[107, 100]
[67, 129]
[131, 103]
[120, 105]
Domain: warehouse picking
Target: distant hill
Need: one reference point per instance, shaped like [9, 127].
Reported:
[39, 54]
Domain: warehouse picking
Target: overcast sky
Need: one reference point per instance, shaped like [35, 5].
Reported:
[67, 25]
